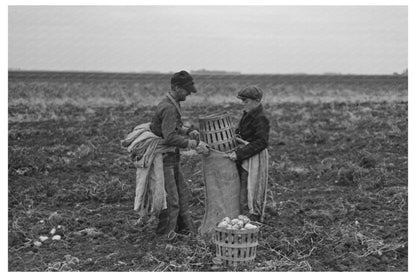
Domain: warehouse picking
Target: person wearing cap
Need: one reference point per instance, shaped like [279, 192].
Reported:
[252, 156]
[167, 123]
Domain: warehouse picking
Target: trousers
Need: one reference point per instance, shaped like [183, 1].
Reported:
[177, 216]
[243, 189]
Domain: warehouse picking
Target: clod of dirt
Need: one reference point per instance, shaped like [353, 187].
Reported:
[55, 218]
[367, 162]
[88, 232]
[345, 177]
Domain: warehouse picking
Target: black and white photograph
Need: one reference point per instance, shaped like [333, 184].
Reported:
[207, 136]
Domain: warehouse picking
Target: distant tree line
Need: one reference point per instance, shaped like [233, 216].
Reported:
[214, 72]
[404, 73]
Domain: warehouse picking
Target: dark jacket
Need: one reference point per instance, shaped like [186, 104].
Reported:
[167, 123]
[254, 127]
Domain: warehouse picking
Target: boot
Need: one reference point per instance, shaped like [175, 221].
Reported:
[162, 226]
[185, 224]
[254, 217]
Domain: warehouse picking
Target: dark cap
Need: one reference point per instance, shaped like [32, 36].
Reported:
[251, 92]
[184, 80]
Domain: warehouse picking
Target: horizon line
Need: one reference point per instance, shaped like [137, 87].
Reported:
[195, 72]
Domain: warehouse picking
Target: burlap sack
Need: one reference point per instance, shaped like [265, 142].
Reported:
[222, 190]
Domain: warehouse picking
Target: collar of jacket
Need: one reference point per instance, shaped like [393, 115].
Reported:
[175, 103]
[254, 112]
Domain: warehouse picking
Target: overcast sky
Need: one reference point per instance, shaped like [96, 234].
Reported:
[249, 39]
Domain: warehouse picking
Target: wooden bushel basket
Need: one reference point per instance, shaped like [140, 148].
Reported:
[217, 132]
[236, 246]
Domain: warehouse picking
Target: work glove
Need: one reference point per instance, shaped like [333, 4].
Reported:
[192, 143]
[203, 148]
[194, 134]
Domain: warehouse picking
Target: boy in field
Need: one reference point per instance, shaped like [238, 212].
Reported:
[252, 155]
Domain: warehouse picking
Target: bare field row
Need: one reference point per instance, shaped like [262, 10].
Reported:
[337, 202]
